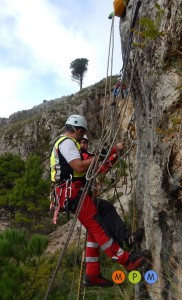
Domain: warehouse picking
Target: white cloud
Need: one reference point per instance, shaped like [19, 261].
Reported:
[11, 82]
[41, 38]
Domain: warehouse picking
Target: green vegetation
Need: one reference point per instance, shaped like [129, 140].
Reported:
[19, 253]
[25, 272]
[11, 168]
[152, 28]
[23, 191]
[149, 28]
[29, 197]
[170, 132]
[78, 69]
[149, 31]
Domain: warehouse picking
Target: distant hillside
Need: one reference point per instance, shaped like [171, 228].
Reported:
[23, 114]
[33, 130]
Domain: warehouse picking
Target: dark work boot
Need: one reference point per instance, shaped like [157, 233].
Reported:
[135, 239]
[134, 261]
[96, 280]
[138, 235]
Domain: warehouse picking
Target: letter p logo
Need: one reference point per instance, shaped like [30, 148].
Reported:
[134, 277]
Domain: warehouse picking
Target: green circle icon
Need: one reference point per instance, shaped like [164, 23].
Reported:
[134, 277]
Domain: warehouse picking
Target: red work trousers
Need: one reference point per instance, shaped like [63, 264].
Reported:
[99, 235]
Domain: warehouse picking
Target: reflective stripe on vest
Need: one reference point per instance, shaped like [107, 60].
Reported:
[55, 162]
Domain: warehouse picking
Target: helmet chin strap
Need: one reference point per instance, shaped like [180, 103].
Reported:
[73, 128]
[78, 139]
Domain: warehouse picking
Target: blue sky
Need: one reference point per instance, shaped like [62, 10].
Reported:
[39, 39]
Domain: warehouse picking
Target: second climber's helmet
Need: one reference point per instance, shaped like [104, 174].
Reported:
[85, 137]
[77, 121]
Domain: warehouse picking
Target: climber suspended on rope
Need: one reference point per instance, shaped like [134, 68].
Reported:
[113, 156]
[85, 154]
[68, 174]
[102, 168]
[120, 89]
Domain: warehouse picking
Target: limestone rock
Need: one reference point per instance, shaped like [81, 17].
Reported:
[157, 100]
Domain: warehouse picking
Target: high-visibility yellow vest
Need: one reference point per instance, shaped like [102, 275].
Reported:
[60, 169]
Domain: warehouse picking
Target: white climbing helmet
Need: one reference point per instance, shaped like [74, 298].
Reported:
[77, 120]
[85, 137]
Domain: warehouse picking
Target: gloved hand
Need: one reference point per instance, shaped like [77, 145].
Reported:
[102, 154]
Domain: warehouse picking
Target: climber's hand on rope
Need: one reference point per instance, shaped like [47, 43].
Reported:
[103, 154]
[118, 149]
[120, 146]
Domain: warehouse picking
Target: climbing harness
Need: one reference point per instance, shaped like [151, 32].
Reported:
[55, 196]
[58, 202]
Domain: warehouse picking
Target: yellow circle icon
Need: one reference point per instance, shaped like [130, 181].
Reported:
[118, 276]
[134, 277]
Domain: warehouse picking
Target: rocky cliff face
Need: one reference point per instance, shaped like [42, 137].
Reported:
[155, 64]
[32, 131]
